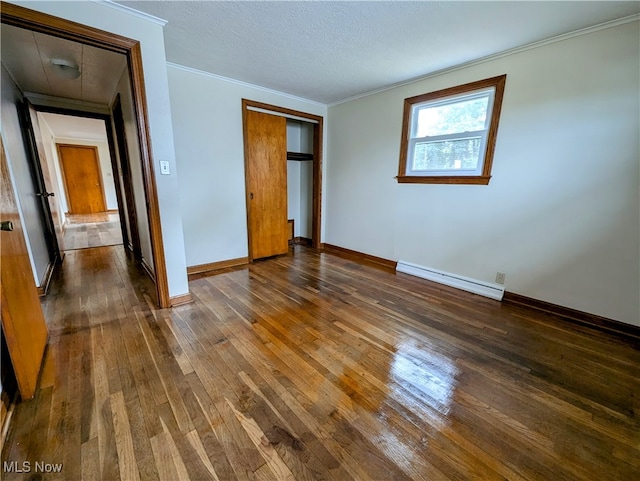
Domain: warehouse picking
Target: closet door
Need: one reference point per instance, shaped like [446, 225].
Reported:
[265, 147]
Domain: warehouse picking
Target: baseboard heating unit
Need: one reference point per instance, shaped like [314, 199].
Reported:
[487, 289]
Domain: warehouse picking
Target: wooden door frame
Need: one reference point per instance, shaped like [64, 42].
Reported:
[130, 48]
[317, 164]
[96, 156]
[133, 242]
[30, 142]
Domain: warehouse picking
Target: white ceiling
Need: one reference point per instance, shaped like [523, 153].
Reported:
[27, 56]
[319, 50]
[330, 51]
[71, 127]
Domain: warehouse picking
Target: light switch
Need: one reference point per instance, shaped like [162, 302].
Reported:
[164, 167]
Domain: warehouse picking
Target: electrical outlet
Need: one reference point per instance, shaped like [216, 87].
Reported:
[500, 277]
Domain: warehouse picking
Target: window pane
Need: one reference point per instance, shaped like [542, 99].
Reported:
[458, 154]
[464, 116]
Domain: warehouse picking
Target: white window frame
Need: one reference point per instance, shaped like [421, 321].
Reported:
[494, 89]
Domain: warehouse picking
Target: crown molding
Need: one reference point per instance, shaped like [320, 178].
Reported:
[131, 11]
[242, 83]
[489, 58]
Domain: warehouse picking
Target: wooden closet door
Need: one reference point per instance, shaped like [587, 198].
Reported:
[266, 173]
[83, 181]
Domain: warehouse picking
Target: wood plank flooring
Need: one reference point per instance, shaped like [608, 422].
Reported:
[312, 367]
[92, 230]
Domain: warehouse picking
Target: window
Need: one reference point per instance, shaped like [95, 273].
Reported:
[448, 136]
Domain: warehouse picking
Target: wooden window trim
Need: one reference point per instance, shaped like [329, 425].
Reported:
[482, 179]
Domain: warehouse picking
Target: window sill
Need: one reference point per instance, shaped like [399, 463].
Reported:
[444, 179]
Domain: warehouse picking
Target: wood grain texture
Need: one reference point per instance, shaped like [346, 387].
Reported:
[82, 178]
[318, 135]
[311, 366]
[23, 322]
[265, 147]
[361, 257]
[94, 230]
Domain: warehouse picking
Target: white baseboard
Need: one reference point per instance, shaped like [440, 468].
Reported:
[487, 289]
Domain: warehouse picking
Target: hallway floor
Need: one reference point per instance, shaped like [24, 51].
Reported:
[92, 230]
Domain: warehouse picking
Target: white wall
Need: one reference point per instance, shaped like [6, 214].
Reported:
[28, 204]
[150, 35]
[305, 228]
[51, 155]
[561, 214]
[300, 178]
[207, 124]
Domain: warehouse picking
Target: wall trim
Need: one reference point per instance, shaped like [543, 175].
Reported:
[147, 268]
[243, 84]
[368, 259]
[43, 288]
[486, 289]
[133, 12]
[215, 266]
[181, 300]
[495, 56]
[302, 241]
[579, 317]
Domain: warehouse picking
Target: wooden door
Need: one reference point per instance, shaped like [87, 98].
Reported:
[23, 322]
[42, 180]
[81, 171]
[131, 220]
[265, 147]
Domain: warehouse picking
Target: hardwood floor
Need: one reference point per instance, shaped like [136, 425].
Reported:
[92, 230]
[309, 366]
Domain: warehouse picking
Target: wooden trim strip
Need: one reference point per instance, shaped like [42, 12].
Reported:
[303, 241]
[361, 257]
[43, 288]
[181, 300]
[9, 403]
[584, 318]
[216, 266]
[147, 268]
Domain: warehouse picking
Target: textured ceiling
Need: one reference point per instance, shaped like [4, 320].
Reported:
[27, 55]
[330, 51]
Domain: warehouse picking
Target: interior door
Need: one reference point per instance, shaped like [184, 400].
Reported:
[42, 180]
[265, 138]
[81, 172]
[23, 322]
[131, 221]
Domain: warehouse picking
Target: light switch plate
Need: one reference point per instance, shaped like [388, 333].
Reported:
[164, 167]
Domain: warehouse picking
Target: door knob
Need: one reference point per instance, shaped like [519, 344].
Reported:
[6, 225]
[46, 194]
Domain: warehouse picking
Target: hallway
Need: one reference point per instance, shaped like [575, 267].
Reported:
[92, 230]
[309, 366]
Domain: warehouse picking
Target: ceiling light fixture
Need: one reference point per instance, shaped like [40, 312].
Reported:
[66, 69]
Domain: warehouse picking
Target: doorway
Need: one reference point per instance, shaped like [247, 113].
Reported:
[46, 24]
[263, 174]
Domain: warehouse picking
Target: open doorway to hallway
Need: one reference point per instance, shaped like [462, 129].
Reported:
[81, 164]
